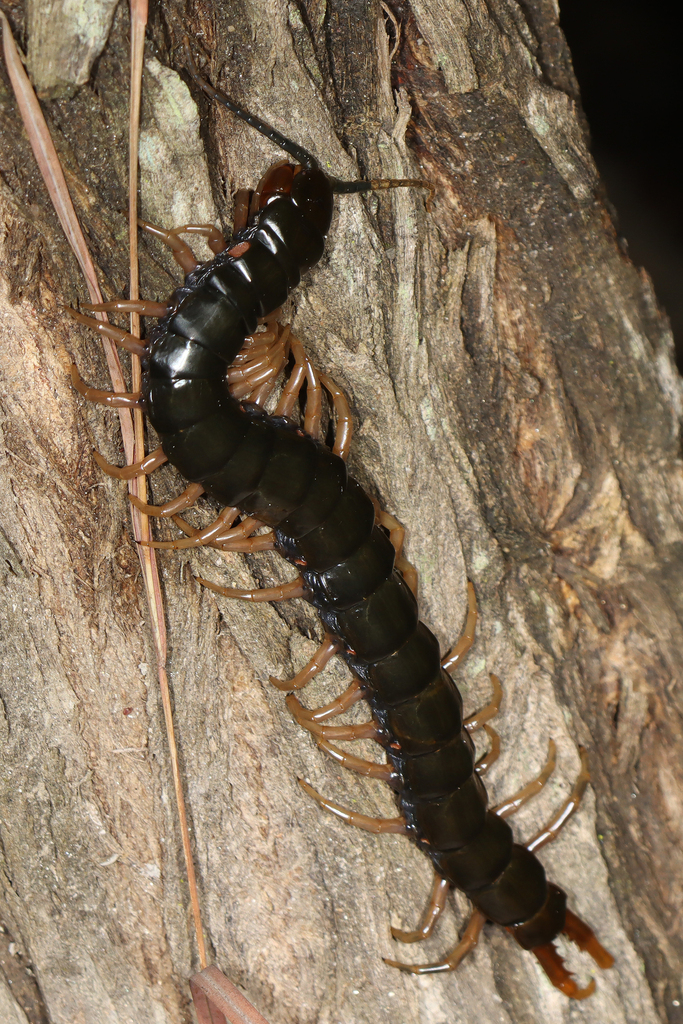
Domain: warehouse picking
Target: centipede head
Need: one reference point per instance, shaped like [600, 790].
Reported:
[578, 932]
[309, 188]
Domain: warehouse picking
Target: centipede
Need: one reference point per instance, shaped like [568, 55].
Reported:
[211, 363]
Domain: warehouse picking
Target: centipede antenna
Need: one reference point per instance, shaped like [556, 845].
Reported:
[378, 184]
[300, 154]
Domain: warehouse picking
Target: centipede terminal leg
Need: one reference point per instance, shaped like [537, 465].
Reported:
[578, 932]
[553, 965]
[574, 928]
[581, 934]
[433, 911]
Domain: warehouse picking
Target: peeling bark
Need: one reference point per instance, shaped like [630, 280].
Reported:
[517, 408]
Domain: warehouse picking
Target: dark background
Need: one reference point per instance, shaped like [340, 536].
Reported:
[626, 59]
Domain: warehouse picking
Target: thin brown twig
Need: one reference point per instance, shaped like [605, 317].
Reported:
[138, 16]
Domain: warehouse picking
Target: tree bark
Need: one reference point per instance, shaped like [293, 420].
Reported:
[516, 407]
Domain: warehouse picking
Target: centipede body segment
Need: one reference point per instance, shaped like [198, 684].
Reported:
[208, 374]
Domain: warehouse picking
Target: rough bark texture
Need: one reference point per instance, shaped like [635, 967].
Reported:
[516, 407]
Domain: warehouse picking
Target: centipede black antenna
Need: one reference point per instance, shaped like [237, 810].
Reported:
[300, 154]
[306, 159]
